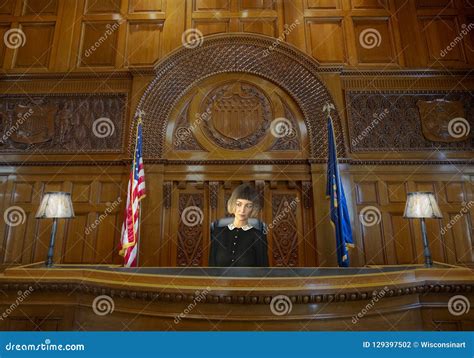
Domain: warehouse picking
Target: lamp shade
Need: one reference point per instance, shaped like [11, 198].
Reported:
[55, 205]
[422, 205]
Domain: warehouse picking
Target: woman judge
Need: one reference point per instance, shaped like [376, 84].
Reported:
[239, 244]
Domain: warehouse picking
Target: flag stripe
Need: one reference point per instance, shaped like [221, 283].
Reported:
[135, 193]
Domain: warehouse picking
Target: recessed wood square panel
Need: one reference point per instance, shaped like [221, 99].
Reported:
[435, 239]
[396, 192]
[455, 192]
[109, 192]
[40, 7]
[3, 29]
[76, 240]
[81, 192]
[207, 5]
[143, 42]
[373, 244]
[264, 27]
[145, 6]
[7, 7]
[369, 4]
[323, 4]
[434, 3]
[42, 239]
[326, 40]
[99, 43]
[374, 41]
[469, 39]
[403, 240]
[102, 6]
[461, 234]
[367, 193]
[106, 248]
[424, 186]
[438, 34]
[14, 239]
[52, 186]
[211, 27]
[22, 192]
[256, 4]
[37, 45]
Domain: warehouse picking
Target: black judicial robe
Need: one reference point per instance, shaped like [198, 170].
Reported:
[238, 247]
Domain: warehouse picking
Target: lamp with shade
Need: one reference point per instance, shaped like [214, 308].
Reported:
[54, 205]
[423, 205]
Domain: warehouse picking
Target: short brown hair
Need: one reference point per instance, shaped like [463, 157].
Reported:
[246, 192]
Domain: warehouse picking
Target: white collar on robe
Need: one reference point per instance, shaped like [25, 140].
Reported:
[231, 226]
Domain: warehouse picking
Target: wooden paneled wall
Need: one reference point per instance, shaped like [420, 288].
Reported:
[91, 60]
[91, 35]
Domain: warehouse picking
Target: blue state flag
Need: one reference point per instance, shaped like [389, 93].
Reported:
[339, 213]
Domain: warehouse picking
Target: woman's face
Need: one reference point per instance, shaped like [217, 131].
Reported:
[243, 208]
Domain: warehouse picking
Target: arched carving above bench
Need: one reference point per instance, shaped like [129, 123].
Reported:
[285, 66]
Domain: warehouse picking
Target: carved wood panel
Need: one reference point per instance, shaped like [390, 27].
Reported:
[62, 123]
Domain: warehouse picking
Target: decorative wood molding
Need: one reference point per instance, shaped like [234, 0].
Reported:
[239, 297]
[62, 123]
[288, 67]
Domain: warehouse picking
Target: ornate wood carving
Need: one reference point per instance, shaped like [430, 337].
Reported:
[167, 190]
[189, 247]
[290, 141]
[284, 233]
[240, 114]
[307, 194]
[62, 123]
[436, 117]
[183, 137]
[292, 70]
[391, 120]
[213, 194]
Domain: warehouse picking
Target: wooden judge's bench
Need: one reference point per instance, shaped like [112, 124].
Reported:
[107, 297]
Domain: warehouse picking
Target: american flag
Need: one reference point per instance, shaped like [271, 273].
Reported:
[135, 192]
